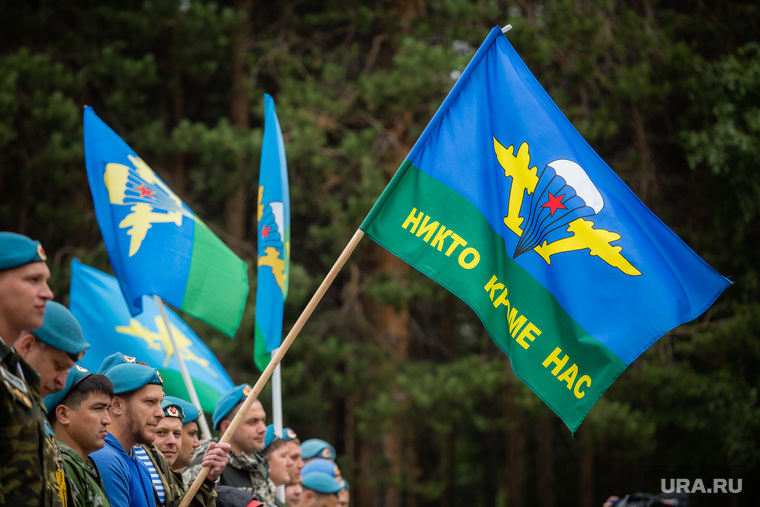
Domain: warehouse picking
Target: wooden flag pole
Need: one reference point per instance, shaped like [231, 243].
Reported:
[183, 369]
[276, 358]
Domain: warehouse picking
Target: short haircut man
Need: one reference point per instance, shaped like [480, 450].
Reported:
[24, 292]
[52, 350]
[79, 418]
[294, 449]
[135, 413]
[190, 440]
[164, 451]
[246, 470]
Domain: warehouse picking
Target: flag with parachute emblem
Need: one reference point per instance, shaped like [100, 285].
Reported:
[503, 202]
[273, 239]
[98, 305]
[156, 244]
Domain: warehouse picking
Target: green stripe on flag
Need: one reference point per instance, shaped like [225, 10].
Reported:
[217, 285]
[440, 233]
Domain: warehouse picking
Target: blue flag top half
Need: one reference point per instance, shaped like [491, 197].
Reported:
[97, 303]
[617, 268]
[156, 244]
[273, 239]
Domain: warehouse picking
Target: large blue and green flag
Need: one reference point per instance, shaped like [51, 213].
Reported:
[156, 244]
[503, 202]
[273, 239]
[98, 304]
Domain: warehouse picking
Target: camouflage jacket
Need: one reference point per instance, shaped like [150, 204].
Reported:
[53, 469]
[247, 472]
[31, 472]
[83, 479]
[174, 487]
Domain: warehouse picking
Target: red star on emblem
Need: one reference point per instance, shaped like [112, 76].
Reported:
[265, 231]
[554, 203]
[145, 191]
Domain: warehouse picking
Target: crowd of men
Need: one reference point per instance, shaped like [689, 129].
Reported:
[72, 437]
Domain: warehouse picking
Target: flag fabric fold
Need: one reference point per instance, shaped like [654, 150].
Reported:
[98, 304]
[273, 239]
[156, 244]
[503, 203]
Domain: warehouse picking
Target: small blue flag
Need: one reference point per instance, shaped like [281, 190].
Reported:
[273, 239]
[97, 303]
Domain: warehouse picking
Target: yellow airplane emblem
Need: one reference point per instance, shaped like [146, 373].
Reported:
[584, 235]
[271, 255]
[140, 188]
[159, 340]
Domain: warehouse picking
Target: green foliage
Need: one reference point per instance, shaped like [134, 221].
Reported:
[391, 368]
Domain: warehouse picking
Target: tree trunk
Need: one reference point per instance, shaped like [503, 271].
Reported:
[240, 105]
[516, 455]
[545, 463]
[393, 332]
[586, 470]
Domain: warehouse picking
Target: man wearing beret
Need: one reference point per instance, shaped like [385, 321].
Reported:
[135, 413]
[163, 452]
[24, 292]
[296, 455]
[317, 448]
[79, 417]
[319, 490]
[51, 350]
[247, 470]
[190, 441]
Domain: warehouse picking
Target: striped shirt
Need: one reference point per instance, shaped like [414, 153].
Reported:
[140, 454]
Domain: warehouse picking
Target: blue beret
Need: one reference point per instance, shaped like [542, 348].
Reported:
[229, 401]
[17, 250]
[345, 484]
[321, 483]
[271, 436]
[61, 330]
[113, 360]
[192, 413]
[173, 410]
[322, 465]
[75, 375]
[316, 448]
[131, 377]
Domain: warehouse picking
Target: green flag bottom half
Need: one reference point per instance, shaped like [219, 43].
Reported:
[440, 233]
[217, 282]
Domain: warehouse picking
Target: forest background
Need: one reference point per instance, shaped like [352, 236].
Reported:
[392, 369]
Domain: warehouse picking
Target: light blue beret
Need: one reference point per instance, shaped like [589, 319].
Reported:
[17, 250]
[271, 436]
[130, 377]
[345, 485]
[172, 409]
[322, 465]
[316, 448]
[75, 375]
[229, 401]
[61, 330]
[321, 483]
[192, 413]
[114, 359]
